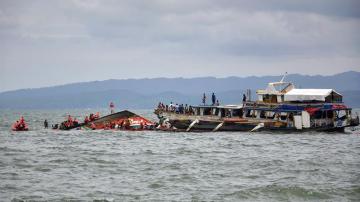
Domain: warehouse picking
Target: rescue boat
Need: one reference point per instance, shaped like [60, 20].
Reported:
[17, 127]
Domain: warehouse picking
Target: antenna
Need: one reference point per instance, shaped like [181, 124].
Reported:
[282, 80]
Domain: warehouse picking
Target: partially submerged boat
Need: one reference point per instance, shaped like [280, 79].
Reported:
[280, 107]
[124, 120]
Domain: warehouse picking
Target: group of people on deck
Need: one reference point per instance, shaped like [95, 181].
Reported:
[176, 108]
[186, 109]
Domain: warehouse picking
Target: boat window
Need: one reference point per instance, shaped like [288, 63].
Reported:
[291, 117]
[227, 113]
[318, 114]
[262, 115]
[283, 116]
[207, 111]
[270, 98]
[248, 113]
[342, 114]
[334, 97]
[270, 115]
[330, 114]
[276, 116]
[236, 112]
[253, 113]
[216, 111]
[323, 114]
[222, 112]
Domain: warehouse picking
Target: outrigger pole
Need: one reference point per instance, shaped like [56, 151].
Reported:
[192, 124]
[218, 126]
[260, 125]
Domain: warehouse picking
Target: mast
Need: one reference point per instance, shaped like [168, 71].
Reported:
[283, 78]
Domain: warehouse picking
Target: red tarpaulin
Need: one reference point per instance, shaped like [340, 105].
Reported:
[312, 110]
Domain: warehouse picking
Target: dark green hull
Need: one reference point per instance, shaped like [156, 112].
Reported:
[183, 125]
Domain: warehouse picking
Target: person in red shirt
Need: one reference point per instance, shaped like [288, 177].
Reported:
[86, 119]
[22, 120]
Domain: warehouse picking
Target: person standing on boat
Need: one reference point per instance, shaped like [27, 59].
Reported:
[171, 107]
[46, 124]
[112, 107]
[204, 99]
[244, 99]
[213, 98]
[177, 108]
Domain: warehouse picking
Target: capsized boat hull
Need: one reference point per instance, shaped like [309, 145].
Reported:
[135, 122]
[99, 123]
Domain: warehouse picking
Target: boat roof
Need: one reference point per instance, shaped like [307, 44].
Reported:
[309, 94]
[220, 107]
[323, 92]
[231, 107]
[204, 106]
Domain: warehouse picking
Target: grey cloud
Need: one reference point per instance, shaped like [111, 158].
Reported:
[122, 39]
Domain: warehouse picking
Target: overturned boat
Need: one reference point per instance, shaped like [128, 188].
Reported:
[124, 120]
[280, 107]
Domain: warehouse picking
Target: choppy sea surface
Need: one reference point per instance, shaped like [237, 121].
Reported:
[50, 165]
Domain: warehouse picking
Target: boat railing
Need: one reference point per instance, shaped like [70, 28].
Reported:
[250, 104]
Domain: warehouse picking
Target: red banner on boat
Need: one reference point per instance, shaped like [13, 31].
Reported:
[312, 110]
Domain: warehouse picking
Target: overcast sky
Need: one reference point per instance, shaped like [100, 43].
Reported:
[50, 42]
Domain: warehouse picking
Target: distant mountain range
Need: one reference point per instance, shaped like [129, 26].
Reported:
[146, 93]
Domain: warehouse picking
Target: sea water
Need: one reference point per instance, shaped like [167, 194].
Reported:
[51, 165]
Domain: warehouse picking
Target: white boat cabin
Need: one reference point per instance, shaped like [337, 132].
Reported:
[279, 92]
